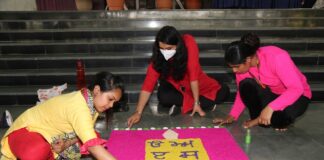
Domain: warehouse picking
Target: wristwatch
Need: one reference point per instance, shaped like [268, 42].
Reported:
[197, 103]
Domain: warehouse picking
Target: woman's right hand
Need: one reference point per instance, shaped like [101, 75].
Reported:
[134, 118]
[60, 145]
[220, 121]
[198, 109]
[101, 153]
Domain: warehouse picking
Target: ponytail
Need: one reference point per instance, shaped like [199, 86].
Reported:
[252, 40]
[238, 51]
[107, 82]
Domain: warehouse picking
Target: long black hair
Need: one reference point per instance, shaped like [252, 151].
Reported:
[238, 51]
[178, 65]
[107, 82]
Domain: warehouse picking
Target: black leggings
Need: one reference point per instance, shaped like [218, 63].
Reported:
[256, 98]
[168, 96]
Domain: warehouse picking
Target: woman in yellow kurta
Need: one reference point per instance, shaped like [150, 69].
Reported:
[52, 128]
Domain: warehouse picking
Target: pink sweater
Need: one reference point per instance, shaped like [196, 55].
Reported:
[280, 74]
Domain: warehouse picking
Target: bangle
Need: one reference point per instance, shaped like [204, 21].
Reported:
[197, 103]
[138, 112]
[67, 143]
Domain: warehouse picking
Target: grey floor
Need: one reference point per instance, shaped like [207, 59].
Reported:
[303, 141]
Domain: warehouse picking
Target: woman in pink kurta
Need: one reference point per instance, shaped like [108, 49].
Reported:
[269, 84]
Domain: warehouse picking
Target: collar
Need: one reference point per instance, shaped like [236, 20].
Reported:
[89, 99]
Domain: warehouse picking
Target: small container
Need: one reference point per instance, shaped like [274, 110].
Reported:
[81, 81]
[248, 137]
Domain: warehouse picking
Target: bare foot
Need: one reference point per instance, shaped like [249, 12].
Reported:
[221, 121]
[281, 129]
[250, 123]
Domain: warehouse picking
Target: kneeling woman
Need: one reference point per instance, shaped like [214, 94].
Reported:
[182, 83]
[51, 129]
[269, 84]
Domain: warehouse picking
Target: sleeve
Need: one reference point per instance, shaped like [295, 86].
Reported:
[287, 73]
[92, 142]
[238, 106]
[151, 78]
[81, 121]
[193, 57]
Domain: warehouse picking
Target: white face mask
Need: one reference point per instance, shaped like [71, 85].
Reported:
[167, 54]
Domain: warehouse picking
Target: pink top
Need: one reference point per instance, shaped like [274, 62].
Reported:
[280, 74]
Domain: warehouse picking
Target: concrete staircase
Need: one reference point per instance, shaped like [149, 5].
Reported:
[40, 49]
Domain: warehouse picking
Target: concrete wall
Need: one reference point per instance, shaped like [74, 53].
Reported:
[18, 5]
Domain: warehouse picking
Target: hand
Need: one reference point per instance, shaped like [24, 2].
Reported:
[135, 118]
[265, 116]
[251, 123]
[59, 145]
[220, 121]
[99, 152]
[198, 109]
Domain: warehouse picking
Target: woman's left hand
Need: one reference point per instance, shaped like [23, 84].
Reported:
[58, 146]
[198, 109]
[265, 116]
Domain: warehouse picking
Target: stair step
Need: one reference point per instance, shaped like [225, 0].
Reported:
[153, 23]
[150, 39]
[174, 14]
[129, 36]
[121, 70]
[13, 95]
[63, 34]
[133, 55]
[129, 88]
[129, 74]
[126, 59]
[145, 44]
